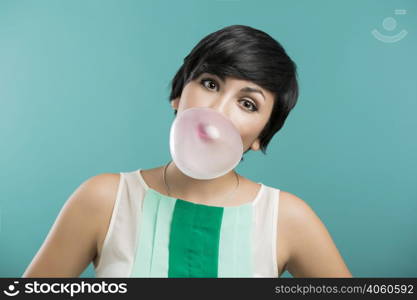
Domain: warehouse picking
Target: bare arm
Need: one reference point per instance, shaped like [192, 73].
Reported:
[71, 243]
[312, 250]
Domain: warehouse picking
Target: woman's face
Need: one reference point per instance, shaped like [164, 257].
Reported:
[249, 111]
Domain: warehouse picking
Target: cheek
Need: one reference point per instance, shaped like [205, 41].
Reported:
[192, 97]
[249, 133]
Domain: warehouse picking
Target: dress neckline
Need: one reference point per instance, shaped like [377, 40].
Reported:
[148, 188]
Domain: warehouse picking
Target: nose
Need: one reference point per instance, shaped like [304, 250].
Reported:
[224, 108]
[221, 106]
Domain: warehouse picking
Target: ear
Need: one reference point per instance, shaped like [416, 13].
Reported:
[175, 102]
[256, 145]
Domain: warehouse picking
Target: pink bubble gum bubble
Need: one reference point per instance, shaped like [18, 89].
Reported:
[207, 132]
[204, 144]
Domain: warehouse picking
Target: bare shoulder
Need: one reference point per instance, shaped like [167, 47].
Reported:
[309, 248]
[294, 208]
[99, 194]
[71, 243]
[287, 211]
[104, 187]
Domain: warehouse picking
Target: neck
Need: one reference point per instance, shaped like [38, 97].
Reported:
[205, 190]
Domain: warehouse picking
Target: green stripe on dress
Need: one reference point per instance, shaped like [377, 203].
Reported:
[194, 240]
[207, 241]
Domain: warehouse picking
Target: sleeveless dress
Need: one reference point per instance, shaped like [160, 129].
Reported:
[154, 235]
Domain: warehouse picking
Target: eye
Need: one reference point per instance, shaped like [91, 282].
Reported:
[204, 80]
[252, 106]
[249, 104]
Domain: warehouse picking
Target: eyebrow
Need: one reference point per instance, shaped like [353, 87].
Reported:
[253, 90]
[245, 89]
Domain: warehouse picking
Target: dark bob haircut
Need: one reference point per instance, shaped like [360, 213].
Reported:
[245, 53]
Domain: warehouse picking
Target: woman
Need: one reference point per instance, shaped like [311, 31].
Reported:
[162, 223]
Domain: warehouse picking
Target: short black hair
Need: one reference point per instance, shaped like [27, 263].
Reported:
[250, 54]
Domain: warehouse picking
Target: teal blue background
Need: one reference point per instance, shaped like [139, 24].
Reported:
[84, 89]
